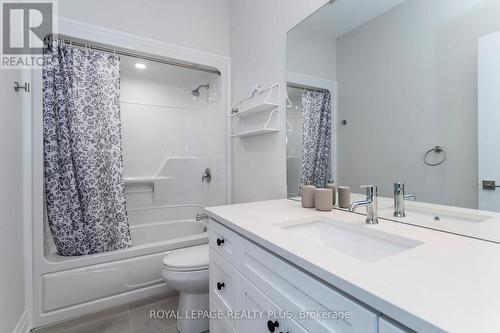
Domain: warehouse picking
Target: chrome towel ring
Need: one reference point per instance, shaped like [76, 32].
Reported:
[437, 150]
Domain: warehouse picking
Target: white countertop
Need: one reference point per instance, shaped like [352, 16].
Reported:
[450, 283]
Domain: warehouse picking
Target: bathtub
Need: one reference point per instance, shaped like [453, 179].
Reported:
[72, 286]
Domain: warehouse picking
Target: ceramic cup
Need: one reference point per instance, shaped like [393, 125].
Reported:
[323, 199]
[308, 196]
[344, 196]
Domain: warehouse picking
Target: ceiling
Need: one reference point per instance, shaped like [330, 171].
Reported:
[341, 16]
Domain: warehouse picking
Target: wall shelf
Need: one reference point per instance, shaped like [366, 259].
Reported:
[256, 132]
[258, 108]
[257, 114]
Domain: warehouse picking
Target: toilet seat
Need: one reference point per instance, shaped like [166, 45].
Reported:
[188, 259]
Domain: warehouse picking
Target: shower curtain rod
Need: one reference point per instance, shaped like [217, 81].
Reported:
[299, 86]
[124, 52]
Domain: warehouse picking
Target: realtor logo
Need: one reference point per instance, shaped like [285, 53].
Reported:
[24, 27]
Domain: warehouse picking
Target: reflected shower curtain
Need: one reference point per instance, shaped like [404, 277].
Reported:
[317, 133]
[83, 163]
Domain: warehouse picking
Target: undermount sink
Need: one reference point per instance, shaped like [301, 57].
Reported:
[436, 215]
[356, 241]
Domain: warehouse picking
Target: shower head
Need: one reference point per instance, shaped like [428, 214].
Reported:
[196, 92]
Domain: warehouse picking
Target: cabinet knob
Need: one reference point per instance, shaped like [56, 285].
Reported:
[272, 325]
[220, 242]
[220, 285]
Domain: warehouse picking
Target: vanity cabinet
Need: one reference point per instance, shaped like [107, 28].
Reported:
[385, 325]
[269, 294]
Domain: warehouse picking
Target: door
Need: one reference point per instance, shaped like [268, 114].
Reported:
[489, 122]
[265, 315]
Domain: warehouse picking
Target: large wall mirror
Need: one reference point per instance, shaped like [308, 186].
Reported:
[410, 91]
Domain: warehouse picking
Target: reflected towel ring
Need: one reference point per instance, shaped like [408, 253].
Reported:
[437, 150]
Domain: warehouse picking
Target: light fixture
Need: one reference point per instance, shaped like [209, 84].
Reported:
[140, 66]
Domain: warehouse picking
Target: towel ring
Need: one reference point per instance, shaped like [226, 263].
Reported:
[437, 150]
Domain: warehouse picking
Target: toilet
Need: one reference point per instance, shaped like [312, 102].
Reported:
[187, 271]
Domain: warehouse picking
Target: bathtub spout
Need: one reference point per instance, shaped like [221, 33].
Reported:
[200, 217]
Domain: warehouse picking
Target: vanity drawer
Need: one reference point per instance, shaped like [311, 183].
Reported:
[224, 241]
[223, 288]
[296, 291]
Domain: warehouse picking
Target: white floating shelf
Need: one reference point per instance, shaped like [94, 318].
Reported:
[257, 114]
[256, 132]
[258, 108]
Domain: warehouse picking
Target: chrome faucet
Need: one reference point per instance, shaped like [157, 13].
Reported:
[399, 199]
[201, 217]
[207, 176]
[371, 203]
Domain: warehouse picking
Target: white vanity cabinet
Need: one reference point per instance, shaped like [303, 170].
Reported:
[385, 325]
[247, 279]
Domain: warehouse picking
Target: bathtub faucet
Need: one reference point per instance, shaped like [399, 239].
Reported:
[201, 217]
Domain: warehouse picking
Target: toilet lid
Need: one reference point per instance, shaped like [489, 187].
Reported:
[188, 259]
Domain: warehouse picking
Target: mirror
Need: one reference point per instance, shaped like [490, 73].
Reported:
[414, 99]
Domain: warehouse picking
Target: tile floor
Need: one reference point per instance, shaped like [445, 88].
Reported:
[128, 318]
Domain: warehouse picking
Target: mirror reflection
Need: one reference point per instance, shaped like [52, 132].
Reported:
[402, 95]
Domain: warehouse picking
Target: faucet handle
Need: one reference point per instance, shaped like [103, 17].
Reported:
[399, 186]
[371, 191]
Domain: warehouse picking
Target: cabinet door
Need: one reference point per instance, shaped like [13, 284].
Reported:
[295, 290]
[388, 326]
[219, 325]
[266, 316]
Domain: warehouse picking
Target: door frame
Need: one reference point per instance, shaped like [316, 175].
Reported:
[33, 154]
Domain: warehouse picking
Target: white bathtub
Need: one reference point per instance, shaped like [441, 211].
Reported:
[73, 286]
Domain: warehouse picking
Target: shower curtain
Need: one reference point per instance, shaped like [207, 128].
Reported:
[317, 133]
[84, 186]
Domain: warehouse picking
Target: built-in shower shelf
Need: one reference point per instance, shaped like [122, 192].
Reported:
[142, 180]
[255, 132]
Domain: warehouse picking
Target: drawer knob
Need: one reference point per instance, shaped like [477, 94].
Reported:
[220, 285]
[272, 325]
[220, 242]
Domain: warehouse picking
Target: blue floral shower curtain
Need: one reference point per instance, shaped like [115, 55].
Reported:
[83, 163]
[317, 133]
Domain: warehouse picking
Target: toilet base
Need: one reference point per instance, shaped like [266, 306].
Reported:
[189, 304]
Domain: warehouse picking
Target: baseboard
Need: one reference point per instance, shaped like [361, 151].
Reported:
[23, 324]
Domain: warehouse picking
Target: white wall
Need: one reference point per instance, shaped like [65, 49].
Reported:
[408, 82]
[198, 24]
[12, 296]
[311, 53]
[166, 132]
[258, 55]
